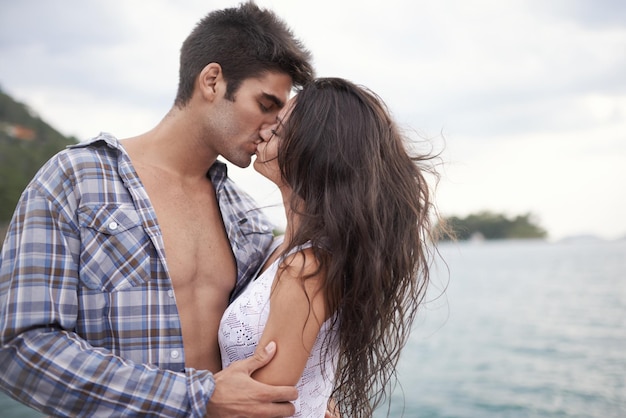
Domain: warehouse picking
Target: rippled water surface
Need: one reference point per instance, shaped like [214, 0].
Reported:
[525, 329]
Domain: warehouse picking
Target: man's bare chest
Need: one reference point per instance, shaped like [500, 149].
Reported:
[197, 249]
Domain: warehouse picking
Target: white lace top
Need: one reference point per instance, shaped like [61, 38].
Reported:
[240, 331]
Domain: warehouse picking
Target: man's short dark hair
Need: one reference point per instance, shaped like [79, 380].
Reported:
[246, 42]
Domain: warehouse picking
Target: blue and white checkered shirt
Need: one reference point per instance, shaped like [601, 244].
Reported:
[88, 319]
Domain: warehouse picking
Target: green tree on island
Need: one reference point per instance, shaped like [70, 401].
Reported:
[489, 225]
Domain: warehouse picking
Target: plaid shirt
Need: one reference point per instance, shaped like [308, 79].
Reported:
[88, 318]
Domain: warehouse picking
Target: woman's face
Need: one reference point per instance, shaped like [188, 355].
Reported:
[266, 162]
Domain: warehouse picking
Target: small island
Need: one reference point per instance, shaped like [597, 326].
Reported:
[487, 225]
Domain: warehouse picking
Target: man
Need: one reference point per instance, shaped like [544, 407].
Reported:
[122, 253]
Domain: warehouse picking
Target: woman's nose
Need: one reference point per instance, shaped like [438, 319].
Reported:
[267, 132]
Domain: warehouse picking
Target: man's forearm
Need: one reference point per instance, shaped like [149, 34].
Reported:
[57, 373]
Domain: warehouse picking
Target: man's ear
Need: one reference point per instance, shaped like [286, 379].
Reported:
[211, 82]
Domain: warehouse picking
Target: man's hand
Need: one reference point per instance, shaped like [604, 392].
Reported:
[237, 394]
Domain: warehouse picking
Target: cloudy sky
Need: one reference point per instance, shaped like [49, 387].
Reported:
[527, 98]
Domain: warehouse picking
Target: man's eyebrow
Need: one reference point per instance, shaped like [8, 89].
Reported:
[274, 99]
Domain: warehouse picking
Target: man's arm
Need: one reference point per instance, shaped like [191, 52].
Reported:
[148, 391]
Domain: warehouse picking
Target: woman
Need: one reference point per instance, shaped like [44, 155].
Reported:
[341, 290]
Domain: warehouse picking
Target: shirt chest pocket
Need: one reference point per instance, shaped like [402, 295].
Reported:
[115, 250]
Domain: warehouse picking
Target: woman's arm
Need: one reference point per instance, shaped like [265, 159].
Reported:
[297, 311]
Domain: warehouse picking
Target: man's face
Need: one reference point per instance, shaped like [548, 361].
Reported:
[255, 106]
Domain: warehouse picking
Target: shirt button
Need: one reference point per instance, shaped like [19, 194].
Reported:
[112, 226]
[170, 293]
[174, 354]
[266, 228]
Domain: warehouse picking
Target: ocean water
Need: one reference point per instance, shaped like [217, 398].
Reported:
[522, 329]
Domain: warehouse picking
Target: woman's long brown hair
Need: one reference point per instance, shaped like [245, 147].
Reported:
[364, 203]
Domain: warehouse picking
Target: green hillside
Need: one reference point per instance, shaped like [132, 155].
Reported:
[26, 143]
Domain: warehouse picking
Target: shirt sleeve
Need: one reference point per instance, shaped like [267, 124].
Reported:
[44, 363]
